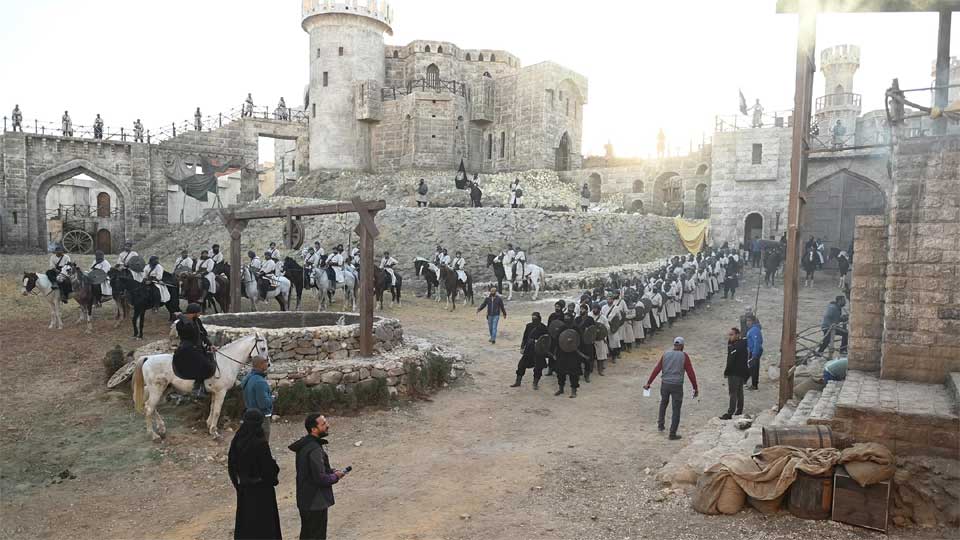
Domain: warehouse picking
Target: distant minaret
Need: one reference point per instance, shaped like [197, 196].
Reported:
[346, 48]
[838, 65]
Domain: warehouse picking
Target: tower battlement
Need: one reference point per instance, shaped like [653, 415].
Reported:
[840, 54]
[377, 10]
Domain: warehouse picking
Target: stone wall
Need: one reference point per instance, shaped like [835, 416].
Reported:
[557, 241]
[921, 337]
[303, 336]
[866, 293]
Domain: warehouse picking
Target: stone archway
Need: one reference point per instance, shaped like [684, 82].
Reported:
[41, 184]
[668, 194]
[702, 202]
[835, 201]
[595, 183]
[752, 227]
[563, 153]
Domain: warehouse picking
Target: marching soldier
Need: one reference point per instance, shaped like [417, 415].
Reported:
[530, 356]
[614, 310]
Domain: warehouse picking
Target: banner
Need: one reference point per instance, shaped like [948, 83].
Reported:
[693, 233]
[460, 180]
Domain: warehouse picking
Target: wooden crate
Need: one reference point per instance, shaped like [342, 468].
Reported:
[867, 507]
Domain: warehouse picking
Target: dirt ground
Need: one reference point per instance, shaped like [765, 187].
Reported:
[480, 460]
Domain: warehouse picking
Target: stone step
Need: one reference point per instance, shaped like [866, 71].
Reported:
[804, 409]
[784, 415]
[826, 406]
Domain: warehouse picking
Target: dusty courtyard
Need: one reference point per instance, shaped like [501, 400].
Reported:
[480, 460]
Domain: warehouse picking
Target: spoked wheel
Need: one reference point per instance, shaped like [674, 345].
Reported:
[77, 241]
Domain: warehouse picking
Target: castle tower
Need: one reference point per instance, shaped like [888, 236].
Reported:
[346, 49]
[838, 102]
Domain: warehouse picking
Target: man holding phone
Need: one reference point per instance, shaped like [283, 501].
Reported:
[315, 478]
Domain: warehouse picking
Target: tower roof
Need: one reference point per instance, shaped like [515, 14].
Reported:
[374, 10]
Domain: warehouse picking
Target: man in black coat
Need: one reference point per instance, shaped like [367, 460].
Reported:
[557, 315]
[192, 359]
[587, 349]
[529, 357]
[315, 478]
[736, 372]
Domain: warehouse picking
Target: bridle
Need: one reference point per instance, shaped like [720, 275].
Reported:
[256, 342]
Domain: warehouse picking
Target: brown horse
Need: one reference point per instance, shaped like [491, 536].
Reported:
[382, 283]
[452, 284]
[193, 289]
[81, 291]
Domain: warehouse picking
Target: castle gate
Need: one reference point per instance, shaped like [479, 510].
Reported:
[834, 202]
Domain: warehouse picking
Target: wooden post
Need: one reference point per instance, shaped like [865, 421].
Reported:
[236, 228]
[942, 72]
[803, 97]
[366, 292]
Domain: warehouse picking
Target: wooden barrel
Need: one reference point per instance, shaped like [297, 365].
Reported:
[799, 436]
[811, 497]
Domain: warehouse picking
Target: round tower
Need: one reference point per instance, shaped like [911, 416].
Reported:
[346, 48]
[839, 102]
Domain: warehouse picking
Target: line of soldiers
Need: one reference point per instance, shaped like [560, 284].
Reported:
[602, 324]
[151, 273]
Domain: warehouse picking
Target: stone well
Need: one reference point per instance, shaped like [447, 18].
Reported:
[305, 336]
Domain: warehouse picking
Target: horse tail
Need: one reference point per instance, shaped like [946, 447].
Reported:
[138, 384]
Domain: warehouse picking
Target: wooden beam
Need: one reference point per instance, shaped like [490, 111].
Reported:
[366, 218]
[314, 210]
[803, 101]
[867, 6]
[366, 292]
[235, 227]
[942, 72]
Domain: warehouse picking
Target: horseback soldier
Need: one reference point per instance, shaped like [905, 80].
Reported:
[335, 264]
[216, 257]
[387, 263]
[521, 260]
[437, 255]
[445, 258]
[272, 252]
[311, 261]
[127, 254]
[267, 274]
[104, 289]
[183, 261]
[354, 258]
[193, 357]
[155, 275]
[57, 261]
[255, 262]
[206, 268]
[459, 266]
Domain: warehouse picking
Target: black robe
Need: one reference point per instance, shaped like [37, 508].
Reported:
[191, 360]
[253, 472]
[530, 358]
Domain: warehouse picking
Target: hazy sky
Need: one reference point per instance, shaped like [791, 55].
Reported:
[673, 64]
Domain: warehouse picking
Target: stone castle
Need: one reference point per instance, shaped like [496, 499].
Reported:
[430, 104]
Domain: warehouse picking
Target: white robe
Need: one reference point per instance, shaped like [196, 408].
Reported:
[610, 311]
[256, 264]
[206, 267]
[126, 256]
[601, 346]
[105, 288]
[156, 273]
[672, 304]
[56, 263]
[458, 264]
[387, 265]
[184, 262]
[217, 258]
[336, 261]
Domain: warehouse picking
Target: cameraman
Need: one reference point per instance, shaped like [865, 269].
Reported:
[315, 478]
[836, 321]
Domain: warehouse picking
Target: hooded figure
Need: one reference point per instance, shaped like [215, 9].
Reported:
[254, 474]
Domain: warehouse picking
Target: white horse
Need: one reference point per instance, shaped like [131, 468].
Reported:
[326, 290]
[535, 275]
[252, 291]
[154, 373]
[39, 284]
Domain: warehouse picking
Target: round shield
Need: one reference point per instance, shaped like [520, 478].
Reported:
[616, 323]
[647, 304]
[136, 263]
[542, 345]
[555, 328]
[590, 333]
[97, 276]
[122, 375]
[569, 340]
[631, 313]
[601, 332]
[641, 310]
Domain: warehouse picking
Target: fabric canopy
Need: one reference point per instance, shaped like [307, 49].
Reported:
[693, 233]
[197, 185]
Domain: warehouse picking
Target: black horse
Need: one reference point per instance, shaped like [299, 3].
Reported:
[498, 270]
[298, 278]
[452, 284]
[422, 267]
[381, 283]
[144, 296]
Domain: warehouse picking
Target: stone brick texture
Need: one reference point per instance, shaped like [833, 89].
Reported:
[867, 293]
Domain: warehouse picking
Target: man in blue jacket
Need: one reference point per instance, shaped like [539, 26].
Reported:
[754, 350]
[256, 392]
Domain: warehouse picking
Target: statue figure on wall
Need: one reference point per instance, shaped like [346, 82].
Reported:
[757, 114]
[197, 120]
[282, 113]
[98, 128]
[137, 131]
[66, 124]
[17, 118]
[248, 106]
[838, 133]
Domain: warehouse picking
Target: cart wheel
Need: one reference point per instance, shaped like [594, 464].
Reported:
[77, 242]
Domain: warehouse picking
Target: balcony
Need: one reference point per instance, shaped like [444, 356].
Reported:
[835, 102]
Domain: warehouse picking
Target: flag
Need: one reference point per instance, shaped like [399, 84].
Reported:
[743, 103]
[460, 180]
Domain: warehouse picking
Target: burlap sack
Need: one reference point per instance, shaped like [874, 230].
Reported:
[868, 463]
[766, 507]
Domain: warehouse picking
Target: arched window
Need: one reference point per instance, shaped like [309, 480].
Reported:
[433, 76]
[439, 49]
[426, 48]
[503, 144]
[838, 89]
[493, 57]
[490, 146]
[103, 204]
[469, 59]
[638, 186]
[480, 58]
[487, 74]
[396, 54]
[702, 169]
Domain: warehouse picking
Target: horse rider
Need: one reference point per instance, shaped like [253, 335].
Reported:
[387, 263]
[125, 256]
[216, 256]
[335, 264]
[104, 289]
[267, 275]
[311, 261]
[58, 260]
[459, 266]
[206, 268]
[437, 255]
[193, 357]
[154, 274]
[355, 256]
[255, 262]
[183, 261]
[272, 252]
[521, 260]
